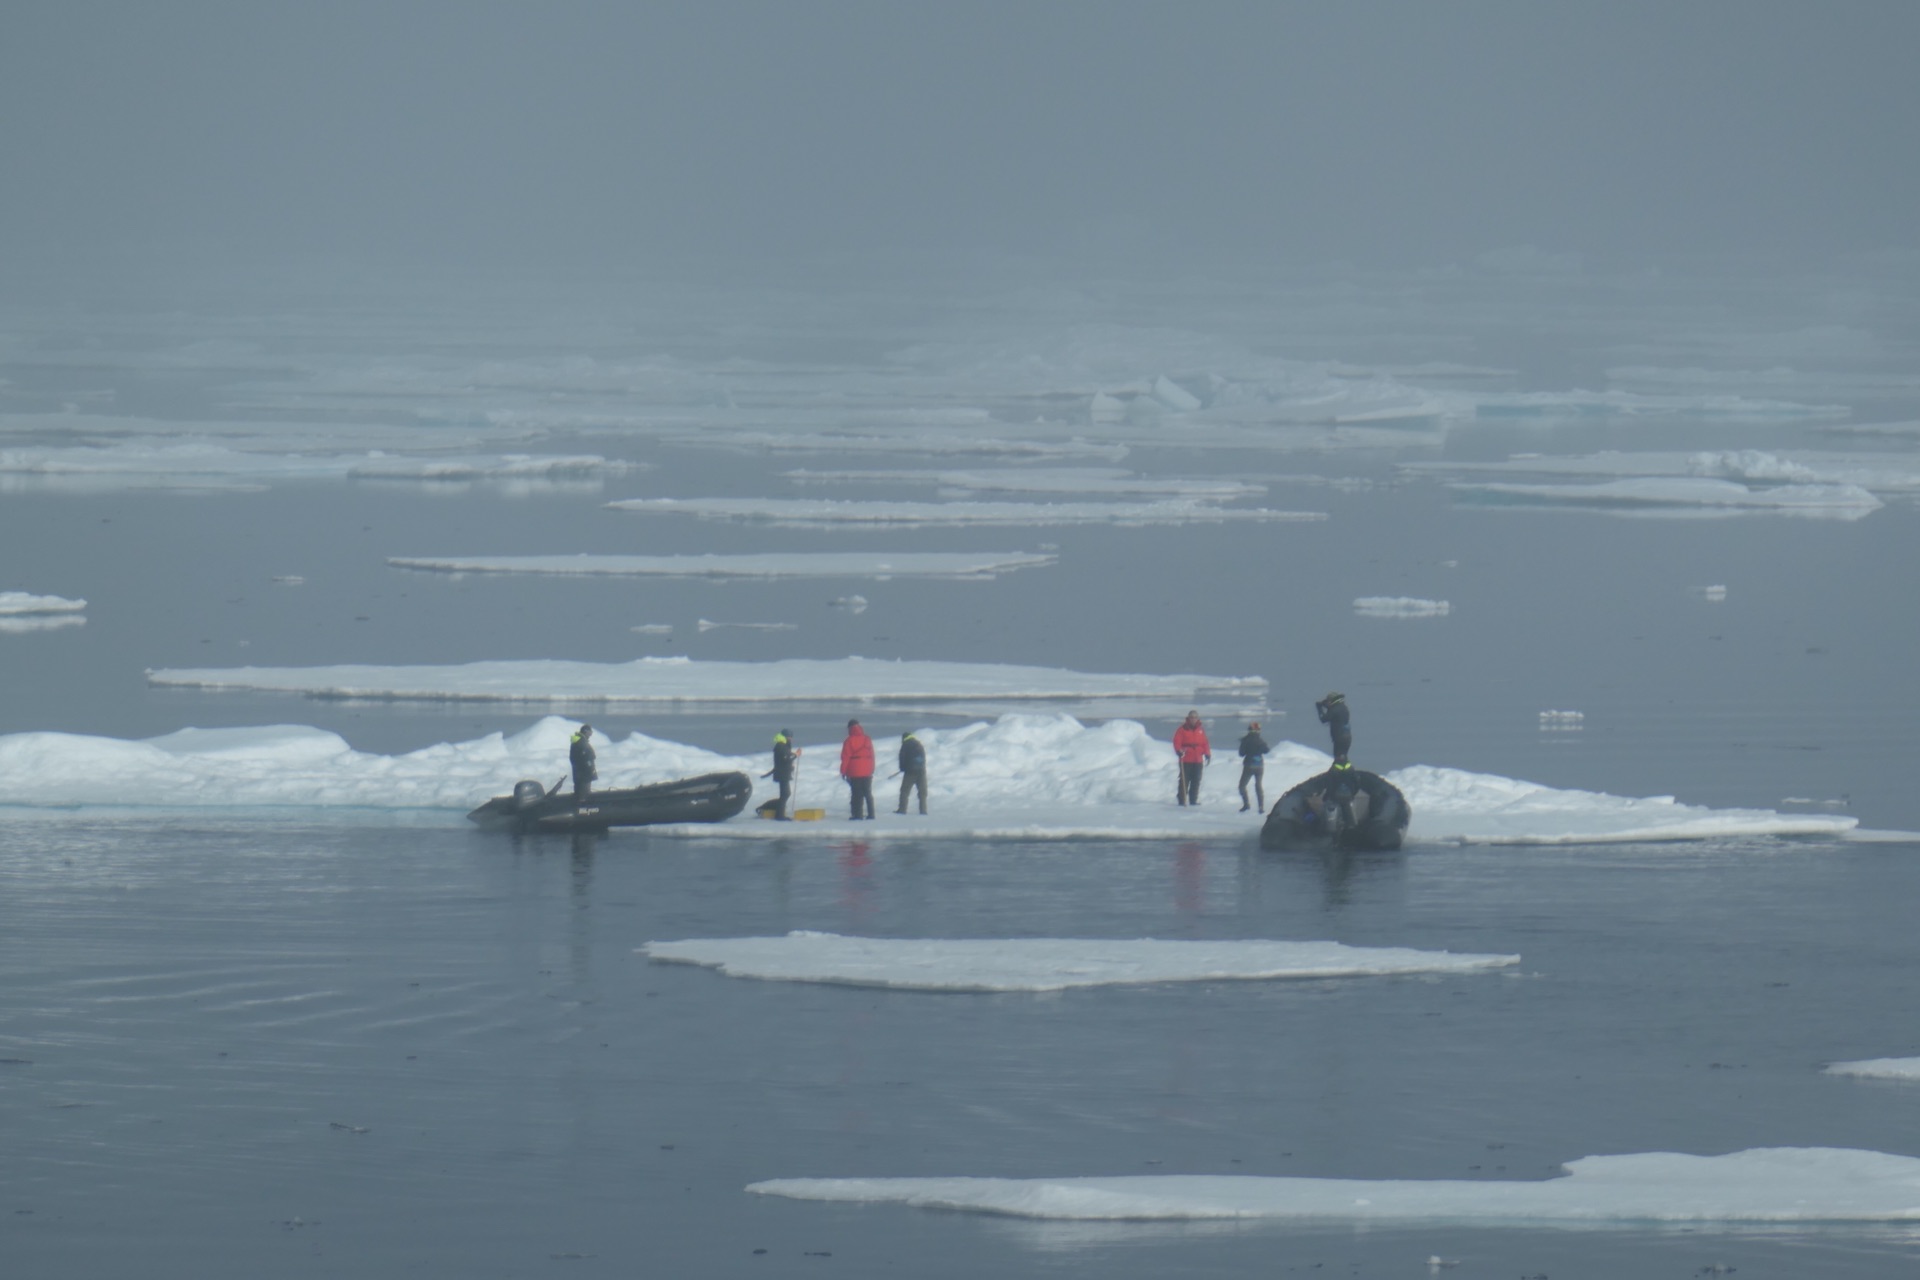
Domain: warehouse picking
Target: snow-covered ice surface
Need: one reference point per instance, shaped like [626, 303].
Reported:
[804, 512]
[1875, 472]
[15, 604]
[1878, 1068]
[774, 564]
[1047, 964]
[860, 681]
[1683, 497]
[1105, 482]
[1022, 777]
[1400, 607]
[1763, 1185]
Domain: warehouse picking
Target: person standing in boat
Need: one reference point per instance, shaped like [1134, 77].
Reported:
[1191, 749]
[580, 756]
[1333, 714]
[913, 770]
[1253, 766]
[856, 766]
[784, 754]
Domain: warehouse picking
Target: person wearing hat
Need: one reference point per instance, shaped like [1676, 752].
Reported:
[1191, 750]
[1253, 766]
[580, 756]
[784, 754]
[913, 770]
[1333, 714]
[856, 766]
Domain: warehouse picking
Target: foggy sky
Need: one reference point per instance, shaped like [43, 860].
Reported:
[636, 133]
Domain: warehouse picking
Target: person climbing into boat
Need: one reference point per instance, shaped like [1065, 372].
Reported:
[1253, 766]
[856, 766]
[1334, 715]
[913, 770]
[784, 754]
[580, 756]
[1191, 749]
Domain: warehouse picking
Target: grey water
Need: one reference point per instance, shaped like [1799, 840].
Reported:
[239, 1044]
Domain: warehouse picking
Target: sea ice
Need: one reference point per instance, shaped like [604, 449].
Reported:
[1683, 496]
[1047, 964]
[1879, 1068]
[857, 681]
[1400, 607]
[1877, 473]
[778, 564]
[1761, 1185]
[17, 603]
[1104, 481]
[827, 512]
[704, 625]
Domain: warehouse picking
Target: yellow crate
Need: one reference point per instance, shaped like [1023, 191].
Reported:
[809, 815]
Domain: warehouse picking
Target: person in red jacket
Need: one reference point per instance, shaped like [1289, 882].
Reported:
[1191, 749]
[856, 766]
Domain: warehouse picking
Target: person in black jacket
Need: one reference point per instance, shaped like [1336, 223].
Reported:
[1253, 766]
[784, 754]
[913, 771]
[580, 756]
[1333, 714]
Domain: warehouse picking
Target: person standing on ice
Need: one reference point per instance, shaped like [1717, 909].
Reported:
[856, 766]
[580, 756]
[1253, 766]
[913, 770]
[1333, 714]
[784, 754]
[1191, 749]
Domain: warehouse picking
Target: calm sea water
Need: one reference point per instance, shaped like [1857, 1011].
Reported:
[258, 1044]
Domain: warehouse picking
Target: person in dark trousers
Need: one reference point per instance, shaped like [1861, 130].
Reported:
[580, 756]
[1333, 714]
[913, 770]
[856, 766]
[784, 754]
[1191, 749]
[1253, 766]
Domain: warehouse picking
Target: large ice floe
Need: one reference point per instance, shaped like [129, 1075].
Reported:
[1679, 496]
[1878, 1068]
[856, 681]
[830, 512]
[1762, 1185]
[777, 564]
[1874, 472]
[22, 611]
[1020, 777]
[1047, 964]
[1095, 481]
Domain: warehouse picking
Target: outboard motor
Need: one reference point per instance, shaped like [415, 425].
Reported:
[527, 794]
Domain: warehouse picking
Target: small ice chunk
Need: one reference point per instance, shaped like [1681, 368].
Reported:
[1174, 396]
[1879, 1068]
[852, 604]
[16, 603]
[705, 625]
[1400, 607]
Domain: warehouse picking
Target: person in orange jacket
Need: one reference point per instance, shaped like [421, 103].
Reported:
[1190, 747]
[856, 766]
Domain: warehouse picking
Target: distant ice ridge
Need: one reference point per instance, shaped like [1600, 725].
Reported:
[826, 512]
[1021, 777]
[18, 603]
[1108, 481]
[1879, 1068]
[1875, 472]
[1400, 607]
[1762, 1185]
[779, 564]
[1681, 497]
[855, 681]
[1047, 964]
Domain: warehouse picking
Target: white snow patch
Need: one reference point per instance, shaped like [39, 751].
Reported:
[1400, 607]
[828, 512]
[779, 564]
[1879, 1068]
[1762, 1185]
[1047, 964]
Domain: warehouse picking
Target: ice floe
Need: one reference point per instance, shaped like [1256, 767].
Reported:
[1020, 777]
[25, 603]
[1879, 1068]
[1762, 1185]
[855, 681]
[704, 624]
[1071, 480]
[827, 512]
[1875, 472]
[1047, 964]
[925, 443]
[1681, 497]
[778, 564]
[1400, 607]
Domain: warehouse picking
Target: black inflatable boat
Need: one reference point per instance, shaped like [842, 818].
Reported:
[1338, 809]
[711, 797]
